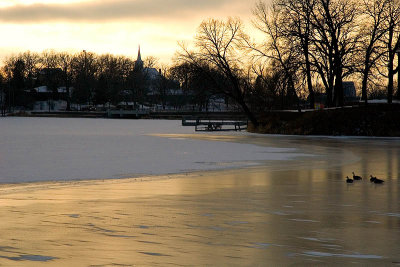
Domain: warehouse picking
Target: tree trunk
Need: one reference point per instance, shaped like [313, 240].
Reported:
[398, 77]
[68, 98]
[390, 81]
[309, 85]
[331, 80]
[338, 89]
[365, 73]
[329, 92]
[390, 63]
[308, 74]
[339, 94]
[364, 96]
[248, 113]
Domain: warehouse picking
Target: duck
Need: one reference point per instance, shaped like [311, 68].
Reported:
[378, 181]
[372, 179]
[348, 180]
[357, 178]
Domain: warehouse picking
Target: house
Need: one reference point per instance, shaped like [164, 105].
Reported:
[349, 91]
[45, 90]
[46, 99]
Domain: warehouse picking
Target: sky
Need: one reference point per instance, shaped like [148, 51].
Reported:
[109, 26]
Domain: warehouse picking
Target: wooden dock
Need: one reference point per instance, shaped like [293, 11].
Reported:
[208, 124]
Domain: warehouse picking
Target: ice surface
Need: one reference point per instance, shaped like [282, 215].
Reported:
[283, 213]
[357, 256]
[42, 149]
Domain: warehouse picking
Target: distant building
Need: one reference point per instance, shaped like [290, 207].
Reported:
[158, 89]
[151, 75]
[45, 90]
[50, 105]
[349, 90]
[139, 62]
[349, 93]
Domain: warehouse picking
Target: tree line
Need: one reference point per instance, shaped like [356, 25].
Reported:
[309, 47]
[92, 79]
[86, 77]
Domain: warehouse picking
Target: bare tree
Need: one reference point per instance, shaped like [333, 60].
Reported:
[195, 82]
[65, 61]
[218, 52]
[108, 78]
[269, 87]
[277, 47]
[84, 70]
[298, 29]
[162, 84]
[372, 32]
[336, 40]
[392, 42]
[31, 60]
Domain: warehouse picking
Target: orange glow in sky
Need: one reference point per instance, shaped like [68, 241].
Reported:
[109, 26]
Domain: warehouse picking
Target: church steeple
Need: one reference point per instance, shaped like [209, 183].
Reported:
[139, 57]
[139, 62]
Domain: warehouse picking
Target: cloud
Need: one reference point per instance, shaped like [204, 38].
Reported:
[110, 10]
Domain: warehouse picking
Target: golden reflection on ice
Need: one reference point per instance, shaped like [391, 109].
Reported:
[283, 213]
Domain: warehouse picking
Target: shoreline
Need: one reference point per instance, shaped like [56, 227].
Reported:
[370, 120]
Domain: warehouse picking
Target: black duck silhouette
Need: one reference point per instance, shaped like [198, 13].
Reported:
[356, 178]
[348, 180]
[378, 181]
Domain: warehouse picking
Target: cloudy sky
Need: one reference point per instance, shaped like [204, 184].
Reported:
[109, 26]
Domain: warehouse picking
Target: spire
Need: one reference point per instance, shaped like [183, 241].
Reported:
[139, 57]
[139, 62]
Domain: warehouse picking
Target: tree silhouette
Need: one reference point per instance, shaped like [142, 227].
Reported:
[217, 56]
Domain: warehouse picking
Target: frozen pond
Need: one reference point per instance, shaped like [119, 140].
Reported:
[43, 149]
[290, 206]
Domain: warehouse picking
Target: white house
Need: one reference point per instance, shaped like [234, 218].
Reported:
[45, 89]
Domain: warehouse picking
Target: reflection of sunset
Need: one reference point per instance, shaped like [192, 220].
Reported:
[299, 206]
[230, 217]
